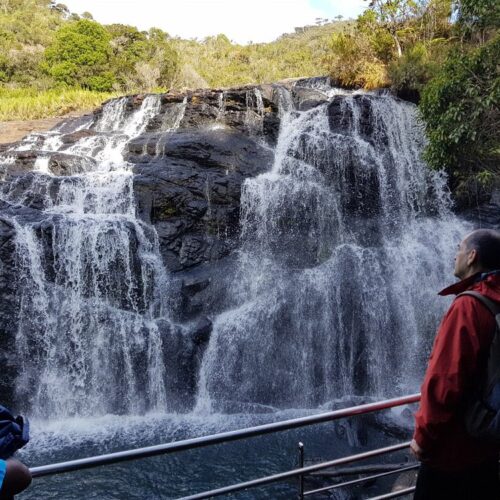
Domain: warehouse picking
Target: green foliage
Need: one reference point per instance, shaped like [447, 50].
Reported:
[161, 54]
[142, 60]
[394, 42]
[380, 41]
[351, 70]
[417, 66]
[460, 107]
[476, 16]
[26, 26]
[79, 55]
[216, 62]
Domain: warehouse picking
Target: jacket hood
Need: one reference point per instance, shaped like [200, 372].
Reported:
[487, 284]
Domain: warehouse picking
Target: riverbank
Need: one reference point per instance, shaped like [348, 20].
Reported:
[12, 131]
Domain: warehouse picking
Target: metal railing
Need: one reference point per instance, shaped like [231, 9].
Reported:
[225, 437]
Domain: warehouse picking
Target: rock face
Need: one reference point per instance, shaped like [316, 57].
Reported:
[191, 191]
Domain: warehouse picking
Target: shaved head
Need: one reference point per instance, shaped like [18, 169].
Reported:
[486, 242]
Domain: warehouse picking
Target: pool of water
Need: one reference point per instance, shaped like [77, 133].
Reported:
[189, 472]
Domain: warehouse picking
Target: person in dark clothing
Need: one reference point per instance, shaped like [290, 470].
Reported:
[453, 464]
[14, 478]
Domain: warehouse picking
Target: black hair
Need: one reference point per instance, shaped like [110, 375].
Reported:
[487, 244]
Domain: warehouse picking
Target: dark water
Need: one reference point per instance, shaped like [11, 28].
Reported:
[189, 472]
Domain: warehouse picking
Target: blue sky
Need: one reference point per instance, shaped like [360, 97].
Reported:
[241, 20]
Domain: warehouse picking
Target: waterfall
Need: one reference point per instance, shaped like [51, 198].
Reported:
[92, 286]
[344, 245]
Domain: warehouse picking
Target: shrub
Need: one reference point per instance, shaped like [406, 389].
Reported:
[79, 54]
[461, 110]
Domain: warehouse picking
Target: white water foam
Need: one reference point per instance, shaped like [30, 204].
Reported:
[345, 244]
[92, 282]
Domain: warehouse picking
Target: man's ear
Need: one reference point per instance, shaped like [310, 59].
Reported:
[472, 257]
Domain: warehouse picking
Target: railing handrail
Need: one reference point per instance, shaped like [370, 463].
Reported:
[224, 437]
[281, 476]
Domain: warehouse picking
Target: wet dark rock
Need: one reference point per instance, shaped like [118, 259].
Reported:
[250, 110]
[71, 125]
[202, 290]
[191, 191]
[8, 304]
[73, 137]
[485, 215]
[183, 350]
[192, 287]
[23, 162]
[218, 149]
[63, 164]
[201, 332]
[315, 82]
[59, 163]
[341, 119]
[307, 98]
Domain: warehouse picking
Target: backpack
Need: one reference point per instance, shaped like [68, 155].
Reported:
[482, 413]
[14, 432]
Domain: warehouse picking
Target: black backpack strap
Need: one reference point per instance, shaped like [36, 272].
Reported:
[492, 306]
[493, 368]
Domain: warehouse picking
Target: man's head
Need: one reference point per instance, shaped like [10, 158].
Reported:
[478, 252]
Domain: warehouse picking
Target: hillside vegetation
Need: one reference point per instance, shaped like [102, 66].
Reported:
[443, 53]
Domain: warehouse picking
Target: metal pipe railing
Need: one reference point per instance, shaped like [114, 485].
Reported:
[223, 437]
[296, 472]
[361, 480]
[395, 494]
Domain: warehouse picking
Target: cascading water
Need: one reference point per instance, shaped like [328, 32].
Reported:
[338, 264]
[92, 284]
[344, 246]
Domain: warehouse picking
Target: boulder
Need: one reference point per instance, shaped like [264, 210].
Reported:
[53, 162]
[307, 98]
[73, 137]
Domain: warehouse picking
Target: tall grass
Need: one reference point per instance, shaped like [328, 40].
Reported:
[32, 104]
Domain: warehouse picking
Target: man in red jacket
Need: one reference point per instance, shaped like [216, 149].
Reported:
[454, 465]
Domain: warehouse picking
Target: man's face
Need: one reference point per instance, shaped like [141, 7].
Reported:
[461, 263]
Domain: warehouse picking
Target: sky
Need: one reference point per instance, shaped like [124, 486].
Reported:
[242, 21]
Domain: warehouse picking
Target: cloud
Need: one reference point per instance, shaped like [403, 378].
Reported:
[241, 20]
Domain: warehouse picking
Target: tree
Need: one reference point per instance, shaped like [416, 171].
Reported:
[477, 17]
[395, 17]
[26, 27]
[128, 48]
[161, 53]
[80, 55]
[380, 41]
[461, 109]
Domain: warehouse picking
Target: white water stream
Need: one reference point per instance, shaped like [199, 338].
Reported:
[346, 242]
[88, 339]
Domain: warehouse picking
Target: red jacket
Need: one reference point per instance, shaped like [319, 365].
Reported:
[458, 357]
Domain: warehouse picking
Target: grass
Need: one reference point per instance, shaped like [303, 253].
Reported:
[33, 104]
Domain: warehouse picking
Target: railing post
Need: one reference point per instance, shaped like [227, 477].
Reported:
[301, 466]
